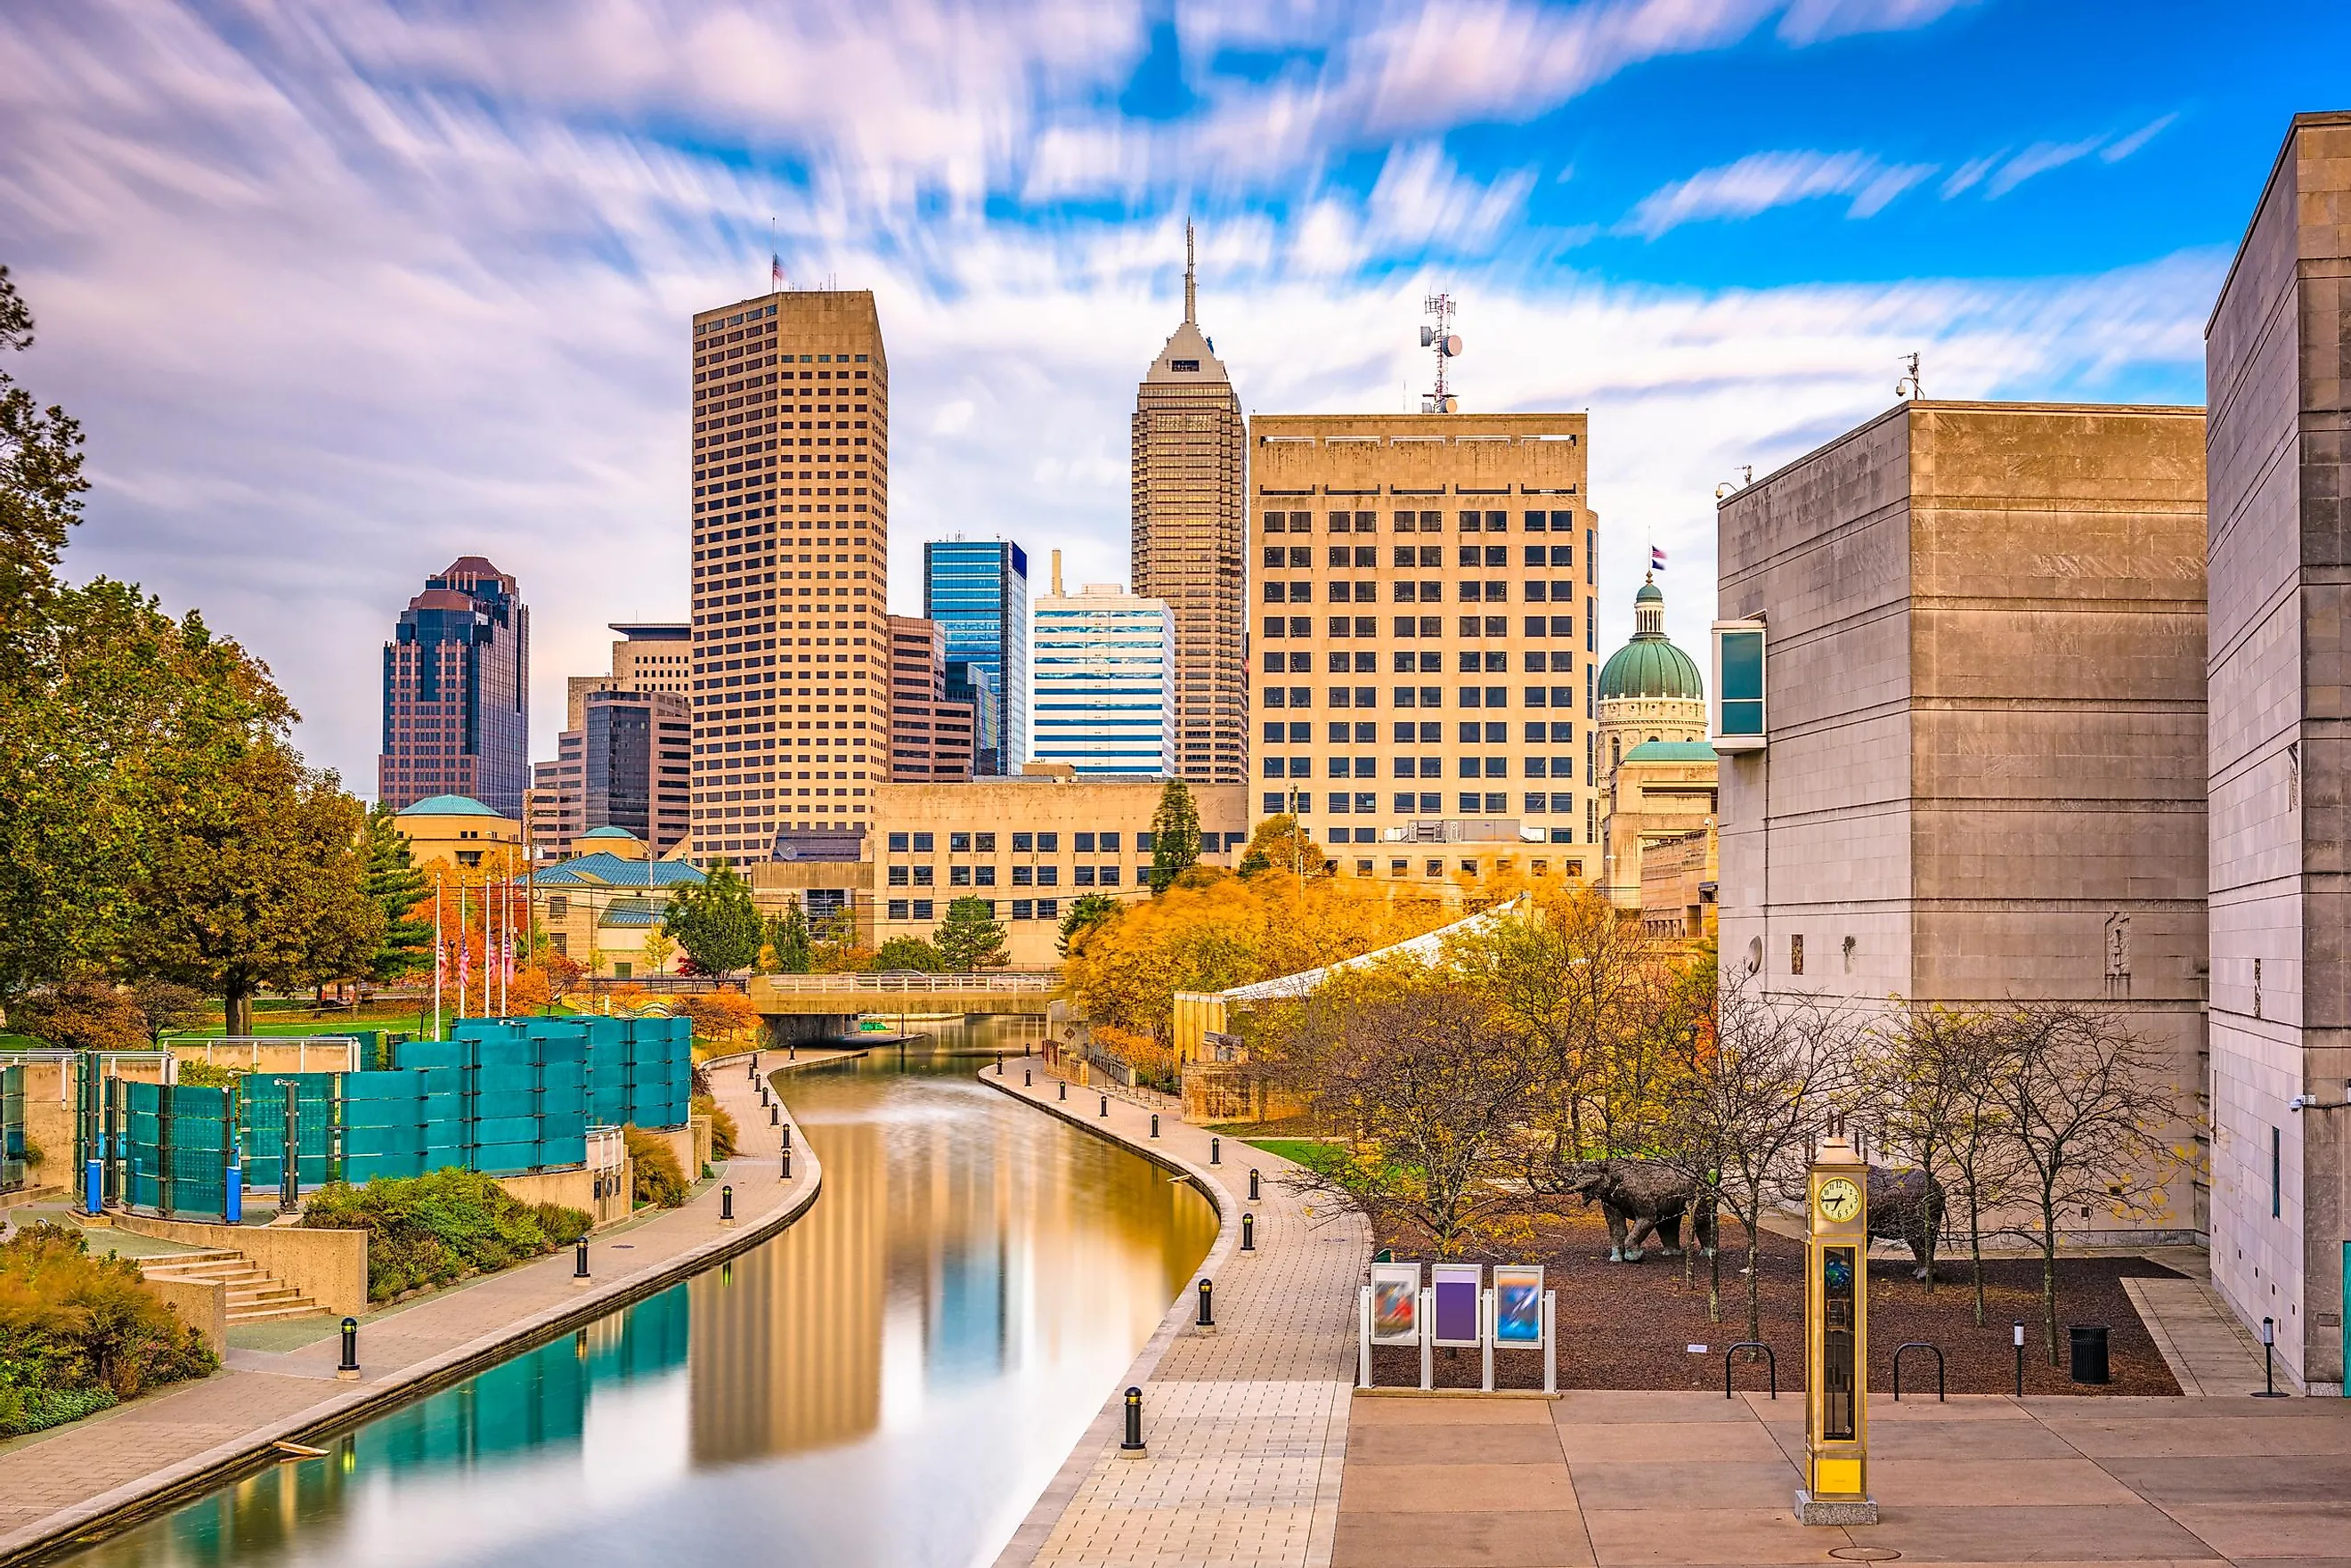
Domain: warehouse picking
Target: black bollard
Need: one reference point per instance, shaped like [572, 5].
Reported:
[2020, 1358]
[1216, 1150]
[1064, 1094]
[788, 1135]
[1208, 1312]
[2269, 1349]
[350, 1366]
[1252, 1184]
[725, 1203]
[1248, 1232]
[999, 1067]
[1105, 1105]
[788, 1163]
[751, 1069]
[774, 1117]
[1134, 1444]
[1028, 1078]
[579, 1259]
[1154, 1123]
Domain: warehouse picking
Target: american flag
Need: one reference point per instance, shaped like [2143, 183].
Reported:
[775, 270]
[1656, 559]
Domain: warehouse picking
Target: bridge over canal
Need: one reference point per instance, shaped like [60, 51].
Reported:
[809, 1007]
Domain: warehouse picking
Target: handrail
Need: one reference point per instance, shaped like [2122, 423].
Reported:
[1769, 1356]
[910, 983]
[1918, 1345]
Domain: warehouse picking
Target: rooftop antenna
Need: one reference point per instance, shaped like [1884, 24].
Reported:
[1909, 385]
[1191, 293]
[1443, 339]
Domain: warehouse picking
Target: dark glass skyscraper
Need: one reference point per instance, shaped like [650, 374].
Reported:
[457, 693]
[977, 592]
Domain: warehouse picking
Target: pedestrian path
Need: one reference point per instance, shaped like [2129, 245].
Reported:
[2208, 1350]
[71, 1479]
[1245, 1430]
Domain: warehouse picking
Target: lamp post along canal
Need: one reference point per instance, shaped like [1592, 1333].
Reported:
[1836, 1339]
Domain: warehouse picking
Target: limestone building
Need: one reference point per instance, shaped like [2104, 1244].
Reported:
[1980, 771]
[624, 758]
[1425, 636]
[791, 539]
[1649, 757]
[1189, 521]
[2278, 370]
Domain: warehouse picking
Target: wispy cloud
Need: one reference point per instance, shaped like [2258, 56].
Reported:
[2114, 151]
[2038, 159]
[1762, 180]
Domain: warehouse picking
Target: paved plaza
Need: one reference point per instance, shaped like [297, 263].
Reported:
[73, 1477]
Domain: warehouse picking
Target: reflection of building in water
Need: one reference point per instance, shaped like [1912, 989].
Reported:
[955, 1216]
[787, 1342]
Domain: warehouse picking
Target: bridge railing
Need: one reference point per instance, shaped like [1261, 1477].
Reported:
[912, 983]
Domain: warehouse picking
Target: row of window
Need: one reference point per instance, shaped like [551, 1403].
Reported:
[1482, 592]
[915, 841]
[1023, 909]
[1406, 732]
[1294, 558]
[1278, 627]
[1364, 662]
[1415, 696]
[1422, 522]
[1022, 876]
[1418, 767]
[1366, 803]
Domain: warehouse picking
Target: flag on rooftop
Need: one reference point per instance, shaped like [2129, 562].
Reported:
[775, 270]
[1656, 559]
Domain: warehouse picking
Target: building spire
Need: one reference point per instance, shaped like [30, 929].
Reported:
[1191, 312]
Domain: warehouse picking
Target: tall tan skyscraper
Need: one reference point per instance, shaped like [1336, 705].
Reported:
[1190, 523]
[791, 545]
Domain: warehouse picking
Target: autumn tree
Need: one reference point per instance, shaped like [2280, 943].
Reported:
[1280, 844]
[83, 1014]
[1086, 913]
[716, 922]
[1175, 835]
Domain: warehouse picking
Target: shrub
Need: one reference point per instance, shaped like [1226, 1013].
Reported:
[659, 1177]
[430, 1230]
[71, 1324]
[206, 1075]
[725, 1135]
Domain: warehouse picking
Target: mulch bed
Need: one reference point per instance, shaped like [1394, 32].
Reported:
[1625, 1325]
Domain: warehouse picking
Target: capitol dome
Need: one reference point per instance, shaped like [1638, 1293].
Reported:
[1649, 665]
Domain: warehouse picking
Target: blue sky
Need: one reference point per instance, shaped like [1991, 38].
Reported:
[344, 288]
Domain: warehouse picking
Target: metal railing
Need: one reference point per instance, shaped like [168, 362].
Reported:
[914, 984]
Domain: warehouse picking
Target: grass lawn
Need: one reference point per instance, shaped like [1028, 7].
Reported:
[1312, 1152]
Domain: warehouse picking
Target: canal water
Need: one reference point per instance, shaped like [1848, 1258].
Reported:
[891, 1381]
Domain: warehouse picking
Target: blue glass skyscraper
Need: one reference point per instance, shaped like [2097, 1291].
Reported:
[978, 592]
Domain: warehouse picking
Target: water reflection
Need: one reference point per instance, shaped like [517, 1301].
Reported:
[892, 1381]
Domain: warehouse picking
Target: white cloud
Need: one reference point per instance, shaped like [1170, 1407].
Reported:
[2122, 147]
[2038, 159]
[1761, 181]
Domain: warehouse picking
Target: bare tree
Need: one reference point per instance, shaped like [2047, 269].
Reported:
[1926, 1075]
[1750, 1102]
[2084, 1104]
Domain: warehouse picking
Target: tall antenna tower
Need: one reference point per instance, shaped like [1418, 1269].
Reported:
[1448, 345]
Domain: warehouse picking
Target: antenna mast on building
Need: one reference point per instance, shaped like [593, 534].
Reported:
[1448, 345]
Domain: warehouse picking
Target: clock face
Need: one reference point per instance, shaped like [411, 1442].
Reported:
[1840, 1200]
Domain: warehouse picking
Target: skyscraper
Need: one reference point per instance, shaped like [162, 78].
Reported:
[790, 497]
[1189, 523]
[977, 592]
[626, 763]
[930, 733]
[1103, 689]
[456, 692]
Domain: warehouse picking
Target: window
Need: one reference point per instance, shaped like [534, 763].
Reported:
[897, 909]
[984, 843]
[1082, 876]
[1024, 876]
[558, 906]
[959, 876]
[2277, 1174]
[1048, 844]
[958, 843]
[984, 875]
[1110, 843]
[922, 843]
[1143, 842]
[897, 843]
[1048, 909]
[1795, 954]
[1109, 877]
[1083, 843]
[924, 876]
[1049, 876]
[1023, 909]
[1024, 843]
[922, 909]
[898, 876]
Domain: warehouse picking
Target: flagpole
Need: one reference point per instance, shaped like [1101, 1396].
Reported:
[440, 954]
[464, 947]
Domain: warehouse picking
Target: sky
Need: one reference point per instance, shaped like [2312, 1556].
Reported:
[343, 290]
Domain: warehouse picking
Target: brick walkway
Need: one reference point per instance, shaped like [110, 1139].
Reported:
[72, 1478]
[1246, 1428]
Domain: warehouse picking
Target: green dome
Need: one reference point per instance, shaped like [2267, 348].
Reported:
[446, 806]
[1649, 665]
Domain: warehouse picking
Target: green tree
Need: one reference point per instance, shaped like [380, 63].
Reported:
[41, 480]
[1175, 835]
[788, 942]
[1279, 843]
[969, 939]
[396, 887]
[1085, 912]
[716, 923]
[84, 1014]
[909, 953]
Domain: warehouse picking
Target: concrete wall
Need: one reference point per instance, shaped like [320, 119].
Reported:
[202, 1304]
[2278, 352]
[328, 1266]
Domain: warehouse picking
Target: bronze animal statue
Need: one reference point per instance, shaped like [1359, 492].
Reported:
[1906, 1205]
[1642, 1201]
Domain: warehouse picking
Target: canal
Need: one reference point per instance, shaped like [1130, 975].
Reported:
[891, 1381]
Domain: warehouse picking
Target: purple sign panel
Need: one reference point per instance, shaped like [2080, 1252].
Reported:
[1457, 1289]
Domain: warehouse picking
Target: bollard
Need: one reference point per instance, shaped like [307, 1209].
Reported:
[1208, 1310]
[1105, 1104]
[579, 1259]
[1248, 1232]
[751, 1069]
[775, 1115]
[1154, 1123]
[788, 1163]
[350, 1370]
[999, 1067]
[1064, 1094]
[1252, 1184]
[1216, 1150]
[1133, 1447]
[2269, 1350]
[726, 1205]
[1028, 1078]
[2020, 1358]
[788, 1135]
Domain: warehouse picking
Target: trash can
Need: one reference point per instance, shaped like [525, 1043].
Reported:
[2089, 1351]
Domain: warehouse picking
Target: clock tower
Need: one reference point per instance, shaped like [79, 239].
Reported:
[1836, 1339]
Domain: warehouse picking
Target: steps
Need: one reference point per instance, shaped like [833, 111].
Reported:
[254, 1296]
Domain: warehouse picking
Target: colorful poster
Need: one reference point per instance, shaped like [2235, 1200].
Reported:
[1395, 1304]
[1456, 1287]
[1518, 1304]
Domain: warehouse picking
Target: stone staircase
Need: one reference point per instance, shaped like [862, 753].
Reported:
[254, 1295]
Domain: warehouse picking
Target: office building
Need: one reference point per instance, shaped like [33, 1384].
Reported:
[978, 592]
[2278, 370]
[457, 693]
[1188, 449]
[967, 683]
[790, 506]
[654, 657]
[930, 734]
[1425, 637]
[1104, 686]
[624, 758]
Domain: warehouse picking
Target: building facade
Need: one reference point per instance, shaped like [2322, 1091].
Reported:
[791, 537]
[2278, 370]
[930, 734]
[1984, 687]
[1103, 682]
[1424, 633]
[649, 657]
[456, 692]
[1655, 773]
[1028, 846]
[1189, 450]
[624, 758]
[461, 837]
[976, 590]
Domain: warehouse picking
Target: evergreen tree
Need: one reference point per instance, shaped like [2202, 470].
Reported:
[716, 923]
[397, 887]
[1083, 915]
[1175, 835]
[969, 939]
[909, 953]
[788, 941]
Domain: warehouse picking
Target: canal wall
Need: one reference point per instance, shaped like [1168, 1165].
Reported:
[107, 1472]
[1245, 1428]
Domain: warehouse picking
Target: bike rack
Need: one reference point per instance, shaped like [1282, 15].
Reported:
[1918, 1345]
[1770, 1358]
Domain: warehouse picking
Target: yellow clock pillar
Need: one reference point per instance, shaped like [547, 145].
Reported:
[1836, 1339]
